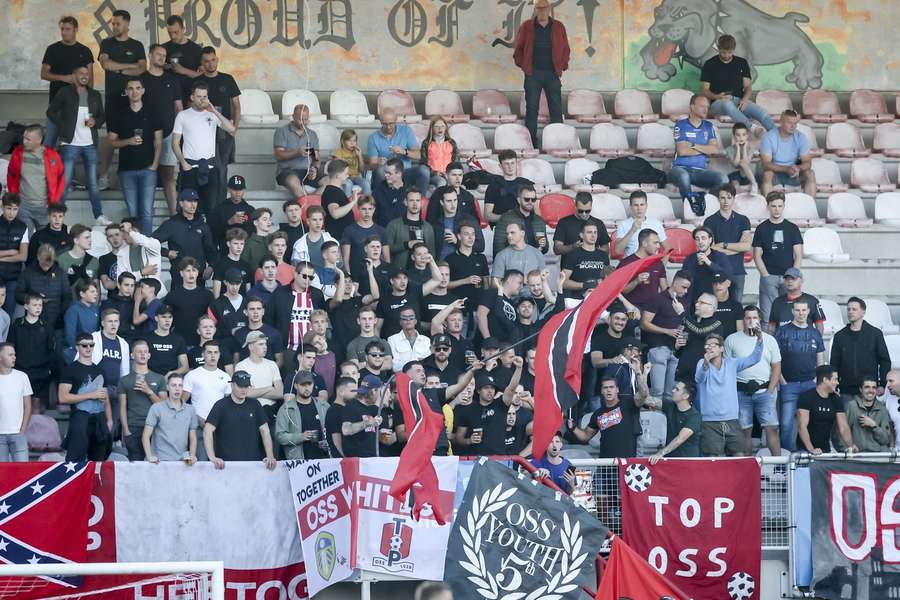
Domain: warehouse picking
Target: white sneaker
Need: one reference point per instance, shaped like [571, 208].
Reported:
[103, 183]
[102, 221]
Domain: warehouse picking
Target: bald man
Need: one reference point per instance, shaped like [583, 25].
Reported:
[296, 148]
[396, 140]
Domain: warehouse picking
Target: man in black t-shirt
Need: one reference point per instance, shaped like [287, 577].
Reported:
[502, 192]
[189, 301]
[120, 56]
[168, 352]
[138, 134]
[399, 296]
[567, 235]
[818, 411]
[480, 427]
[91, 420]
[585, 265]
[59, 62]
[496, 315]
[777, 246]
[224, 92]
[236, 428]
[164, 93]
[729, 311]
[615, 420]
[782, 308]
[345, 390]
[361, 421]
[183, 56]
[728, 83]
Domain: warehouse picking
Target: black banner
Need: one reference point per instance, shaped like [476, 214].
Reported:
[855, 521]
[514, 537]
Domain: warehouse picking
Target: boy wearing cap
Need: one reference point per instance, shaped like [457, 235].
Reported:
[235, 239]
[187, 234]
[234, 212]
[266, 384]
[236, 428]
[299, 422]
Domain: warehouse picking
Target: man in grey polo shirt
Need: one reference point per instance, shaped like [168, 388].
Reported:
[171, 429]
[296, 148]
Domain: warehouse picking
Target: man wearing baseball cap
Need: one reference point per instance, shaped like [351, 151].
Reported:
[439, 361]
[361, 419]
[267, 386]
[236, 428]
[480, 427]
[299, 424]
[187, 234]
[729, 310]
[782, 307]
[233, 212]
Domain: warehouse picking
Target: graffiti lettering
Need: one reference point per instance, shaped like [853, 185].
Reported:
[335, 20]
[448, 22]
[103, 14]
[514, 19]
[407, 22]
[248, 22]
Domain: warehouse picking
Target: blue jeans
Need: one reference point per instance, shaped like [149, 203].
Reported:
[361, 182]
[13, 447]
[751, 111]
[770, 287]
[684, 177]
[88, 156]
[139, 188]
[549, 83]
[51, 134]
[788, 393]
[663, 364]
[417, 175]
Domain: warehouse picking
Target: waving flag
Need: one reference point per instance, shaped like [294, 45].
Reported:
[424, 426]
[628, 575]
[560, 350]
[44, 511]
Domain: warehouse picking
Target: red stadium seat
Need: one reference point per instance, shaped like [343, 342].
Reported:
[447, 104]
[613, 253]
[513, 136]
[561, 140]
[681, 243]
[587, 106]
[822, 106]
[306, 202]
[609, 140]
[492, 106]
[676, 103]
[845, 140]
[403, 104]
[556, 207]
[774, 102]
[633, 106]
[869, 107]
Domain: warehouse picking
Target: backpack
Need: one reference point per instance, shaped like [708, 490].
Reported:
[11, 137]
[628, 169]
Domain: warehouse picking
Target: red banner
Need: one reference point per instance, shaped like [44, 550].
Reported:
[696, 522]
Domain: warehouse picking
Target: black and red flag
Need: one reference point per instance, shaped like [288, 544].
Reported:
[560, 350]
[415, 461]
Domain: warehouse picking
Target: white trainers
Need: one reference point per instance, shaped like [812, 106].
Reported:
[102, 221]
[103, 183]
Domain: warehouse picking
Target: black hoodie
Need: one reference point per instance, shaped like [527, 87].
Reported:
[34, 347]
[858, 354]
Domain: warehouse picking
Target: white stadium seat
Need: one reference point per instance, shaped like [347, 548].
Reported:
[609, 139]
[561, 140]
[712, 207]
[447, 104]
[292, 98]
[828, 176]
[608, 208]
[575, 172]
[801, 209]
[887, 209]
[587, 106]
[401, 102]
[834, 316]
[492, 106]
[655, 139]
[847, 210]
[470, 140]
[329, 137]
[878, 314]
[893, 346]
[823, 245]
[256, 107]
[513, 136]
[659, 206]
[676, 103]
[634, 106]
[350, 106]
[540, 172]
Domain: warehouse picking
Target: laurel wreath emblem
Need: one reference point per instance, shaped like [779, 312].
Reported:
[488, 585]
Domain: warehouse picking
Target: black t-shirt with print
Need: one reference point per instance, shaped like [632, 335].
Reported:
[502, 316]
[362, 444]
[616, 425]
[222, 88]
[822, 417]
[164, 351]
[389, 307]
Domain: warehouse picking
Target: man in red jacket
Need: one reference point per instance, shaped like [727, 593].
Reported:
[542, 52]
[36, 174]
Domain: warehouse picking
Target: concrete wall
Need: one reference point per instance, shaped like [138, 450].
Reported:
[466, 44]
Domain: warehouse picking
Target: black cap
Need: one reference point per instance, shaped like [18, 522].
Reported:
[442, 340]
[483, 380]
[237, 182]
[189, 195]
[719, 276]
[233, 276]
[241, 379]
[491, 343]
[525, 299]
[632, 343]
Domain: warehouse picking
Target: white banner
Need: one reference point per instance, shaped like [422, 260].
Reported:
[323, 508]
[389, 540]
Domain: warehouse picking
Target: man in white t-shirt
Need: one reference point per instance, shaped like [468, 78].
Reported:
[265, 379]
[628, 230]
[891, 399]
[15, 407]
[206, 385]
[198, 126]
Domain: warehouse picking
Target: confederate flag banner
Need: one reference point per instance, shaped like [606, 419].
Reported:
[560, 350]
[44, 509]
[855, 545]
[696, 522]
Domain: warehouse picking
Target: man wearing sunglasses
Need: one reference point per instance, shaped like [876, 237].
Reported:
[439, 361]
[567, 236]
[523, 212]
[378, 361]
[408, 344]
[290, 309]
[91, 421]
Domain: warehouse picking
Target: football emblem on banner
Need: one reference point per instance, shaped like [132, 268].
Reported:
[514, 538]
[325, 554]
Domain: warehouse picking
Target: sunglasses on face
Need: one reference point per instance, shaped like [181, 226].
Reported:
[306, 276]
[584, 212]
[442, 349]
[528, 199]
[375, 355]
[86, 345]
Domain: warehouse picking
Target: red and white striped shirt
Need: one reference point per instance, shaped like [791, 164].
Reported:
[301, 309]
